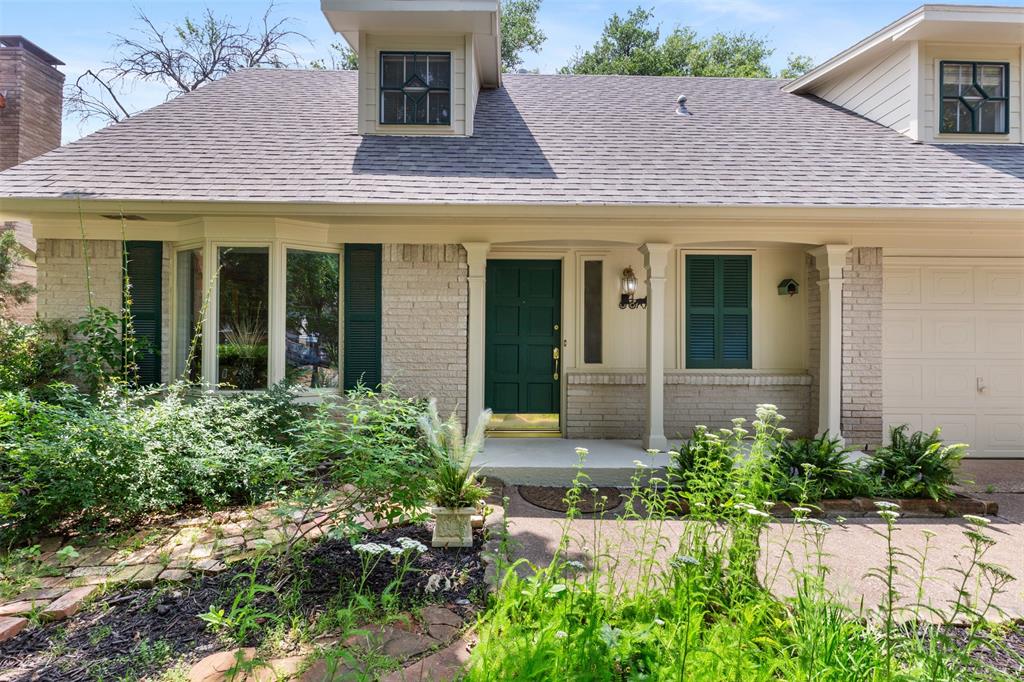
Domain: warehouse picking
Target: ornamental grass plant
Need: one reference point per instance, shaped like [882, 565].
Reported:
[663, 599]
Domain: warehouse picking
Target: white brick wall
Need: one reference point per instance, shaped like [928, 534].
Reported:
[862, 347]
[63, 293]
[424, 326]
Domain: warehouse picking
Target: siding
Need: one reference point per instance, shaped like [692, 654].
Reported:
[881, 90]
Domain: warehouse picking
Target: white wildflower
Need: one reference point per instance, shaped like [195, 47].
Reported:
[561, 634]
[744, 505]
[882, 504]
[575, 565]
[739, 421]
[394, 551]
[659, 621]
[370, 548]
[652, 451]
[976, 520]
[638, 464]
[409, 544]
[582, 452]
[758, 513]
[888, 514]
[685, 559]
[801, 510]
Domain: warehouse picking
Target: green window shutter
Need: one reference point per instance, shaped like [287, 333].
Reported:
[718, 312]
[144, 265]
[362, 315]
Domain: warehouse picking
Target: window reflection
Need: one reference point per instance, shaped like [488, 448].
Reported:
[242, 317]
[312, 319]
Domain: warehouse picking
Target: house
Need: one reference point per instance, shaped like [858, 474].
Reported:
[30, 110]
[589, 256]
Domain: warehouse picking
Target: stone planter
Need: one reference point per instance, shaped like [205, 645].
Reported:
[453, 526]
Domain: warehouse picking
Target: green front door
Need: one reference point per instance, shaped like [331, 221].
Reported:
[524, 338]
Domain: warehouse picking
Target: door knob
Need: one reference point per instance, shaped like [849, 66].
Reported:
[555, 355]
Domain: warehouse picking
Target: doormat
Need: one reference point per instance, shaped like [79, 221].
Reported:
[552, 498]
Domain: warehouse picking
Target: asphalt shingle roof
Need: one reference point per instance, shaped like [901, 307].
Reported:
[290, 136]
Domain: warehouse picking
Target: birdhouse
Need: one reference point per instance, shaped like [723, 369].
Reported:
[788, 287]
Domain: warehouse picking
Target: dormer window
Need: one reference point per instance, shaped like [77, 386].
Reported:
[975, 97]
[415, 88]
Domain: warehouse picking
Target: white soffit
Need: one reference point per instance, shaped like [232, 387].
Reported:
[932, 23]
[423, 17]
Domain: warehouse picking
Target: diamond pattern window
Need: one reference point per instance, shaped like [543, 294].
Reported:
[975, 97]
[415, 88]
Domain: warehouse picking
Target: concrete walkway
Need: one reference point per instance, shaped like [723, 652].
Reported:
[850, 550]
[553, 461]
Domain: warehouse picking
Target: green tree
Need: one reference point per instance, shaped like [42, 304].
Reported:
[339, 57]
[519, 31]
[796, 66]
[11, 293]
[633, 46]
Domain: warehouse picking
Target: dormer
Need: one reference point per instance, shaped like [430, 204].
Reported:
[941, 74]
[422, 63]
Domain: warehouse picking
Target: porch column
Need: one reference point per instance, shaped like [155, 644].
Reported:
[829, 260]
[655, 262]
[476, 258]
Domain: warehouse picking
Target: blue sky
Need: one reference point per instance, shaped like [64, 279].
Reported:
[79, 32]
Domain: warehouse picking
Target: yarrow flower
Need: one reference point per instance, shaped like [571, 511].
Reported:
[801, 510]
[582, 452]
[888, 514]
[818, 523]
[561, 634]
[659, 621]
[410, 544]
[638, 464]
[682, 560]
[976, 520]
[371, 548]
[882, 504]
[758, 513]
[576, 565]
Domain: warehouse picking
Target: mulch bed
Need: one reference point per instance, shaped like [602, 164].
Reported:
[137, 632]
[552, 498]
[1003, 651]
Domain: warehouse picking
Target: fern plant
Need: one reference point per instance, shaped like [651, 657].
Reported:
[812, 469]
[453, 481]
[918, 464]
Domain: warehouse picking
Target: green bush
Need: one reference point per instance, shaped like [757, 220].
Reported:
[918, 465]
[33, 354]
[371, 441]
[129, 454]
[704, 460]
[811, 469]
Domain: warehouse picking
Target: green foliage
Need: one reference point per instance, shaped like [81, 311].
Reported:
[453, 482]
[33, 354]
[11, 293]
[703, 460]
[371, 442]
[796, 66]
[631, 46]
[811, 469]
[97, 349]
[129, 454]
[519, 31]
[918, 465]
[710, 612]
[340, 57]
[244, 616]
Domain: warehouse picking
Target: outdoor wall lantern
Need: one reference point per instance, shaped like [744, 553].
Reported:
[627, 300]
[789, 287]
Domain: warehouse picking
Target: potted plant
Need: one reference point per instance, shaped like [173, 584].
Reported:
[453, 486]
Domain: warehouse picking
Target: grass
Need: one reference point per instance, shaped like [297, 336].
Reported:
[643, 610]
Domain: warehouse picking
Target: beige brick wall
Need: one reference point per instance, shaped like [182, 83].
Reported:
[613, 405]
[63, 293]
[862, 347]
[425, 319]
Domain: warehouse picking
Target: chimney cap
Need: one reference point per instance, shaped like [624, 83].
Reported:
[29, 46]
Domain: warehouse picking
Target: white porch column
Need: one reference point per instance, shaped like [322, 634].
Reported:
[655, 262]
[829, 260]
[476, 258]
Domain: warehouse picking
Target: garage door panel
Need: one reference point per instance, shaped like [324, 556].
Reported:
[1000, 286]
[945, 384]
[1000, 435]
[948, 333]
[912, 420]
[1001, 332]
[953, 350]
[902, 385]
[902, 285]
[901, 332]
[948, 285]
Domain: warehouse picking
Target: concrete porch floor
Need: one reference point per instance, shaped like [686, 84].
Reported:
[553, 461]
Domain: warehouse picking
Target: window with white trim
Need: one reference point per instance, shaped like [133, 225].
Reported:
[975, 97]
[415, 88]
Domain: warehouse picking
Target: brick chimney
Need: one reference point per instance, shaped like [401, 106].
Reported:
[31, 98]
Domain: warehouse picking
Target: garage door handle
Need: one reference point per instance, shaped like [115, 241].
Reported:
[980, 384]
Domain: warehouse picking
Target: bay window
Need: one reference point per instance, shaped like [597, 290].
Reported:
[312, 319]
[188, 294]
[242, 316]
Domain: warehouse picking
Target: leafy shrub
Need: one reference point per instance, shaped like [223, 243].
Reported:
[371, 441]
[812, 469]
[705, 460]
[33, 354]
[918, 465]
[452, 481]
[97, 350]
[128, 454]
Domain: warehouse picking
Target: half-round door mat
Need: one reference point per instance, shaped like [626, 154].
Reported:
[553, 498]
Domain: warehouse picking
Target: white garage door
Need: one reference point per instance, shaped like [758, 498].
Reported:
[953, 350]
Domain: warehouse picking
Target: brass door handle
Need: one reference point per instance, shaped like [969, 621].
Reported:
[555, 355]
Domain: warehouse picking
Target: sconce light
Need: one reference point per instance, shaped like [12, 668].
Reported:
[789, 287]
[627, 300]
